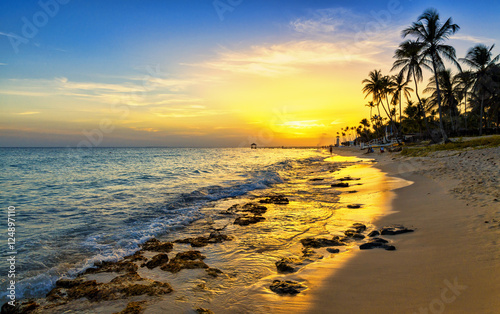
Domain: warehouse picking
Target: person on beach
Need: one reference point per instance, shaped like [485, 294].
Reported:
[382, 149]
[331, 149]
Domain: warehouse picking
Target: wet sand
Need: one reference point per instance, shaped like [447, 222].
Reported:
[450, 264]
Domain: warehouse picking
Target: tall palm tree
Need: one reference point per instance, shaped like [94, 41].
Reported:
[432, 34]
[408, 59]
[479, 58]
[401, 89]
[463, 82]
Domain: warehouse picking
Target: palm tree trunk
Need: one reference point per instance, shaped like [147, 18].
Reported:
[390, 118]
[441, 126]
[465, 112]
[422, 110]
[400, 109]
[481, 115]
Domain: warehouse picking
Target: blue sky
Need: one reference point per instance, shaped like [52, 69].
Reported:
[181, 55]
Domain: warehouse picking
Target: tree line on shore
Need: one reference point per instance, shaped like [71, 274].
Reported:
[458, 100]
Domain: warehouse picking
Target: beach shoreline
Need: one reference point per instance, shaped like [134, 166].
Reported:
[450, 263]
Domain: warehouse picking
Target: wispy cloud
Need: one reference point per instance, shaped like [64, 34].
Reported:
[324, 21]
[473, 39]
[28, 113]
[186, 112]
[149, 130]
[3, 63]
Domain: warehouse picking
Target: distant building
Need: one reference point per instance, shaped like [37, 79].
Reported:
[253, 146]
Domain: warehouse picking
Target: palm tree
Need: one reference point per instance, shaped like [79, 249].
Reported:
[408, 59]
[373, 86]
[379, 87]
[448, 90]
[371, 105]
[431, 33]
[479, 58]
[401, 89]
[463, 82]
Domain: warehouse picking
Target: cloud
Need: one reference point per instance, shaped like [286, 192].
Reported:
[3, 63]
[186, 112]
[473, 39]
[149, 130]
[323, 21]
[288, 58]
[28, 113]
[304, 124]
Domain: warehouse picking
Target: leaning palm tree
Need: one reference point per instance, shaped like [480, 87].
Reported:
[479, 58]
[431, 33]
[401, 89]
[408, 59]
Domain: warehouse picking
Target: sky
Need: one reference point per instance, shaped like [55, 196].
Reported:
[202, 73]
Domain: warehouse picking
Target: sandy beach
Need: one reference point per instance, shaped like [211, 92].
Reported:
[450, 264]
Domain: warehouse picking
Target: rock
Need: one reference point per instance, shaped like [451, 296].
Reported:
[69, 283]
[133, 308]
[20, 308]
[349, 179]
[340, 185]
[154, 289]
[117, 267]
[358, 226]
[275, 199]
[214, 272]
[395, 229]
[353, 191]
[254, 208]
[288, 264]
[157, 246]
[353, 206]
[373, 233]
[320, 242]
[136, 257]
[332, 250]
[316, 179]
[185, 260]
[127, 278]
[214, 237]
[377, 243]
[310, 253]
[287, 287]
[201, 310]
[248, 220]
[156, 261]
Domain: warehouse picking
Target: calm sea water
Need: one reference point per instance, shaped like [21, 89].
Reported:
[77, 207]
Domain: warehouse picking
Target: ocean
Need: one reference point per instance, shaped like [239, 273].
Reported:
[77, 207]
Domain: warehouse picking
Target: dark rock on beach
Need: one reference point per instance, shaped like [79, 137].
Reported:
[214, 272]
[373, 233]
[320, 242]
[201, 310]
[136, 257]
[353, 206]
[359, 227]
[133, 308]
[287, 287]
[19, 308]
[275, 199]
[185, 260]
[316, 179]
[214, 237]
[288, 264]
[340, 185]
[394, 230]
[248, 220]
[348, 179]
[156, 261]
[332, 250]
[377, 243]
[120, 287]
[156, 246]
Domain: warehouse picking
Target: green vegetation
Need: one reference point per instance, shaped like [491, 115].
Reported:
[455, 101]
[483, 142]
